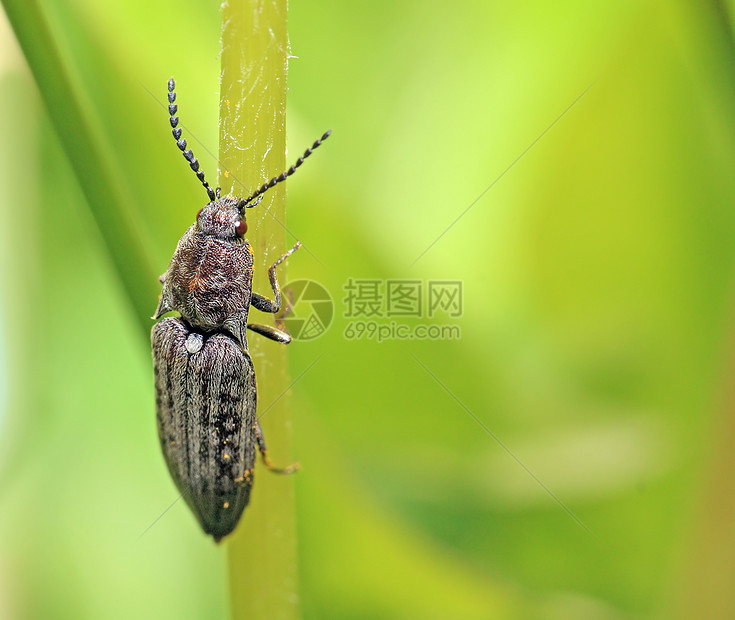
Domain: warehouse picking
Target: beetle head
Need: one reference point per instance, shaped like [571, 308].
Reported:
[223, 218]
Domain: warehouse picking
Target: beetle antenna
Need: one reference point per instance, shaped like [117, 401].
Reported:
[181, 142]
[284, 175]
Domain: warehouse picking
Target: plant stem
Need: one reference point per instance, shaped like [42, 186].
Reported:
[262, 552]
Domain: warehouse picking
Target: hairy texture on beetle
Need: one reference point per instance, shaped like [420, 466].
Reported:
[206, 407]
[220, 218]
[209, 278]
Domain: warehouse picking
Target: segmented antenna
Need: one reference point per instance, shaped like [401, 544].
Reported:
[181, 142]
[284, 175]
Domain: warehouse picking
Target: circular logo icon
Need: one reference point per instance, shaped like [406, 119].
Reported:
[308, 309]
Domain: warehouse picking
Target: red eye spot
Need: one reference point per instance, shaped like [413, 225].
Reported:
[241, 228]
[200, 212]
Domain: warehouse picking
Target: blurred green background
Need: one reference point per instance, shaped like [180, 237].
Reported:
[597, 334]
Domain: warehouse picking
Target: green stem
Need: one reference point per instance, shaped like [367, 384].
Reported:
[262, 552]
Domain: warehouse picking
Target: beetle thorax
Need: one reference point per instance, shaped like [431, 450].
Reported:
[209, 279]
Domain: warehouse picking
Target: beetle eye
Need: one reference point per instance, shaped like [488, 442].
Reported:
[200, 212]
[241, 228]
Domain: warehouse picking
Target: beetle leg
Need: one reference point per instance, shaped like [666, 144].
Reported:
[263, 303]
[272, 333]
[280, 332]
[264, 453]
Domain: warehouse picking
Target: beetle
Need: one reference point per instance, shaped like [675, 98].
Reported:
[206, 397]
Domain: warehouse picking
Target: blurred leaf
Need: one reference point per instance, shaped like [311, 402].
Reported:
[88, 151]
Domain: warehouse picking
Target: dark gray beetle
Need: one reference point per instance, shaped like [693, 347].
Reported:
[205, 382]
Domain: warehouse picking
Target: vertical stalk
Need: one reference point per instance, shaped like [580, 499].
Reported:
[262, 551]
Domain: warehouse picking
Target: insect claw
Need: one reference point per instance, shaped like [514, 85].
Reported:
[294, 467]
